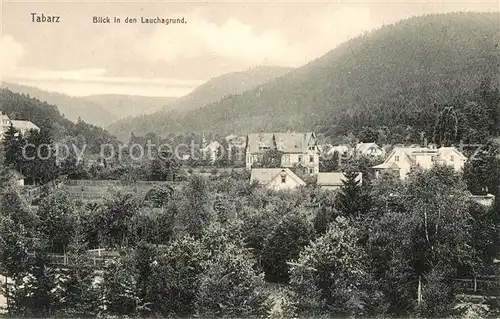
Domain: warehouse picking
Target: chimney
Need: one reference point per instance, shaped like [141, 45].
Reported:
[425, 141]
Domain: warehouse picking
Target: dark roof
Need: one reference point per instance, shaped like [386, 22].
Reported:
[283, 142]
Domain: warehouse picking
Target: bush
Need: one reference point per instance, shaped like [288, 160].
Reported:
[230, 287]
[437, 296]
[176, 272]
[330, 277]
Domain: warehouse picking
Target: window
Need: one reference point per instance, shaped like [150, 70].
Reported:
[396, 158]
[311, 159]
[433, 158]
[283, 178]
[300, 158]
[310, 170]
[452, 158]
[311, 148]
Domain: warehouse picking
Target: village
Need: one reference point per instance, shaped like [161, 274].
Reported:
[285, 161]
[303, 152]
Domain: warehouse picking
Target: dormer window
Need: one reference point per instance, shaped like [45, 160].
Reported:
[396, 158]
[452, 158]
[283, 178]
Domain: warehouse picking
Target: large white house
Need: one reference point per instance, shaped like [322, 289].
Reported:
[22, 126]
[295, 148]
[402, 159]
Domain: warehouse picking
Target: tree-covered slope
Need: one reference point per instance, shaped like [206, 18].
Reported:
[129, 105]
[46, 116]
[210, 92]
[70, 107]
[391, 76]
[226, 84]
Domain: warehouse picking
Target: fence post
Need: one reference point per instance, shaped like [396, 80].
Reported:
[475, 284]
[419, 292]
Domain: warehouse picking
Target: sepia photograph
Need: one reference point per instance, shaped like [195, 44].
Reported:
[250, 159]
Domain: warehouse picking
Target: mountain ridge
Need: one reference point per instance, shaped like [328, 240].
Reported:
[98, 109]
[392, 76]
[211, 91]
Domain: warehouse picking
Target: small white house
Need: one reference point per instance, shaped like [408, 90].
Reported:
[276, 178]
[485, 200]
[370, 149]
[18, 177]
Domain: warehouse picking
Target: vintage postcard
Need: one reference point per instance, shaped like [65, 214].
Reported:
[249, 159]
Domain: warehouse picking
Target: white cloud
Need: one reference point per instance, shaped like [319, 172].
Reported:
[200, 38]
[233, 39]
[11, 53]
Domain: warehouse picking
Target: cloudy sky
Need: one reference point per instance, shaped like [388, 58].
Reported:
[80, 58]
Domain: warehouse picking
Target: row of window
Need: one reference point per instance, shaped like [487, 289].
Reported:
[311, 159]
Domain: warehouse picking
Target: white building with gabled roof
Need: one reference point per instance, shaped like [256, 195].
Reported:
[22, 126]
[402, 159]
[276, 178]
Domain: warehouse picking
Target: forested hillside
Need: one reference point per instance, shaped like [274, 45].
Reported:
[47, 117]
[129, 105]
[212, 91]
[395, 79]
[99, 109]
[70, 107]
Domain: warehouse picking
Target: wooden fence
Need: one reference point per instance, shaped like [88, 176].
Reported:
[117, 183]
[35, 191]
[485, 285]
[98, 258]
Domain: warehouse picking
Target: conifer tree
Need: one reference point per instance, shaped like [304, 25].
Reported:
[33, 293]
[351, 199]
[12, 146]
[78, 294]
[446, 128]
